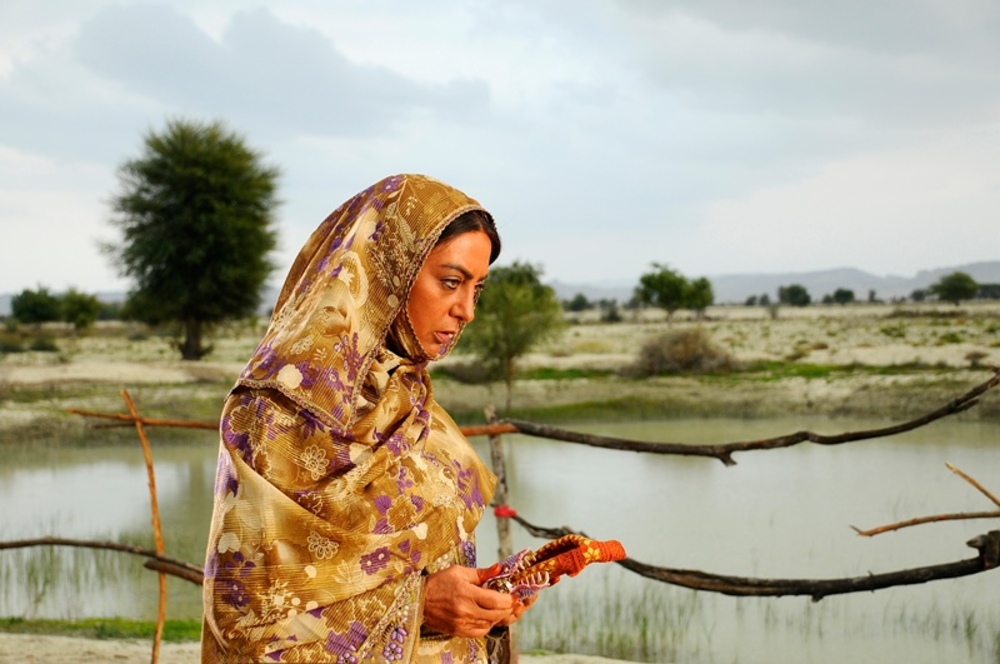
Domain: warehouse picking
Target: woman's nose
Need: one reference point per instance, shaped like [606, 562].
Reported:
[465, 308]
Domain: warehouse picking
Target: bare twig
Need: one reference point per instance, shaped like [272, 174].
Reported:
[983, 490]
[899, 525]
[939, 517]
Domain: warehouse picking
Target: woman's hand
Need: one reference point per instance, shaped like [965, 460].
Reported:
[454, 603]
[520, 606]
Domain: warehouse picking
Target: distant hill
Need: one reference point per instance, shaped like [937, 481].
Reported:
[729, 288]
[736, 288]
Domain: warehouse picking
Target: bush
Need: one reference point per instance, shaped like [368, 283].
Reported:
[43, 343]
[681, 351]
[470, 373]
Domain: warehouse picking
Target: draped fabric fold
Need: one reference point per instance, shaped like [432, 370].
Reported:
[341, 482]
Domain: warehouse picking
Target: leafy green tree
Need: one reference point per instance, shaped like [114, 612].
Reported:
[80, 309]
[35, 306]
[795, 295]
[699, 296]
[989, 292]
[919, 295]
[664, 288]
[955, 287]
[196, 212]
[515, 313]
[578, 303]
[843, 296]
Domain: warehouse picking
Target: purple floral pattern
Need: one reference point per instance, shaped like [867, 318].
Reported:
[340, 479]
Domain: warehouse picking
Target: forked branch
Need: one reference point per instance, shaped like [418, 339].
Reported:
[958, 516]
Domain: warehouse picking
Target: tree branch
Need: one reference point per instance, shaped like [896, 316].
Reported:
[899, 525]
[988, 558]
[724, 452]
[159, 562]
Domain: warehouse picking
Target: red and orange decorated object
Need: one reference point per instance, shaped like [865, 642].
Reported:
[525, 573]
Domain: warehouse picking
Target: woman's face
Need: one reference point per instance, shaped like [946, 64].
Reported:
[444, 294]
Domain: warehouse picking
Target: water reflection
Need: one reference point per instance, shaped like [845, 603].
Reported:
[782, 513]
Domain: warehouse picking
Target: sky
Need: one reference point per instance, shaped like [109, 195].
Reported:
[713, 136]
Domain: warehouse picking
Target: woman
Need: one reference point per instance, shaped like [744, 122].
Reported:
[346, 498]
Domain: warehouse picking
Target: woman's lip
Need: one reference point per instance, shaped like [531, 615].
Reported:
[444, 337]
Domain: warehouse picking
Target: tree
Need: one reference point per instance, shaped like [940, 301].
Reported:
[80, 309]
[663, 288]
[578, 303]
[35, 306]
[843, 296]
[955, 287]
[699, 296]
[515, 313]
[989, 292]
[196, 211]
[795, 295]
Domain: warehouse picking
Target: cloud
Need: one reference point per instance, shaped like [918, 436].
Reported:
[50, 207]
[908, 65]
[262, 72]
[891, 212]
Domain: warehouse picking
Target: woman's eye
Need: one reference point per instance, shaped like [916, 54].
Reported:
[450, 284]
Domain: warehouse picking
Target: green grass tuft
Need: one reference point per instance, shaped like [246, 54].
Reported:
[174, 631]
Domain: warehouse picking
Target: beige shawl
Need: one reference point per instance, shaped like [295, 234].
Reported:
[341, 483]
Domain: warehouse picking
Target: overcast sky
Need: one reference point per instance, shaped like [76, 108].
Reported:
[717, 136]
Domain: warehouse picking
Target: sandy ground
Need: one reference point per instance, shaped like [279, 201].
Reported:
[36, 649]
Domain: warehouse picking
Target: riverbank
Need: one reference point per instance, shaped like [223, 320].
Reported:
[47, 649]
[876, 361]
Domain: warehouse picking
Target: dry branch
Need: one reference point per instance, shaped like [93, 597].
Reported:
[724, 452]
[983, 490]
[959, 516]
[148, 421]
[988, 558]
[899, 525]
[179, 568]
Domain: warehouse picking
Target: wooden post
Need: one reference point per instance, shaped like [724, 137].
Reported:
[161, 614]
[505, 545]
[503, 648]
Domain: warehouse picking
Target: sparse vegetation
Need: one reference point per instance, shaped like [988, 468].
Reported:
[680, 351]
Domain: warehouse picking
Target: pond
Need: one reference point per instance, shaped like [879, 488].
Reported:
[777, 514]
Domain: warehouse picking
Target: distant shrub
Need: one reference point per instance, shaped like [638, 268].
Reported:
[975, 358]
[681, 351]
[472, 373]
[10, 345]
[897, 331]
[43, 343]
[949, 338]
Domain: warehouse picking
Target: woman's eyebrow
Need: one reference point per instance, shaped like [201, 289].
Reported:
[459, 268]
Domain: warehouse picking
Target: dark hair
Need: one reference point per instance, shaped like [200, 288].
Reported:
[470, 222]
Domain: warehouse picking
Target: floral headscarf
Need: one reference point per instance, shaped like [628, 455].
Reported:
[341, 482]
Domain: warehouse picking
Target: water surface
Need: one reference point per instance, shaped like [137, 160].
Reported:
[778, 513]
